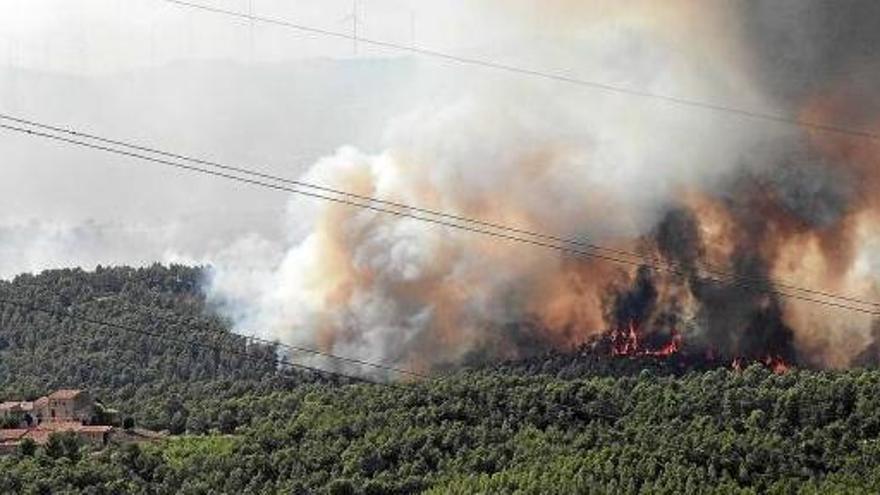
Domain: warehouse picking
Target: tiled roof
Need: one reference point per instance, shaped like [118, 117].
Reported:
[13, 434]
[41, 434]
[61, 425]
[13, 405]
[73, 426]
[65, 394]
[41, 402]
[95, 429]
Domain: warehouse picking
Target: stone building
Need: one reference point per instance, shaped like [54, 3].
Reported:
[23, 412]
[58, 407]
[61, 411]
[66, 406]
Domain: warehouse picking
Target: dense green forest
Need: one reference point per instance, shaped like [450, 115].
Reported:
[143, 375]
[608, 426]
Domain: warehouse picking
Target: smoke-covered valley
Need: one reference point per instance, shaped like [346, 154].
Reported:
[70, 207]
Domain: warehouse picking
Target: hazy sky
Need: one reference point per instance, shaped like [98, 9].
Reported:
[99, 36]
[201, 84]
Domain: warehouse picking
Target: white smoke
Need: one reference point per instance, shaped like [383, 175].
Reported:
[35, 246]
[533, 154]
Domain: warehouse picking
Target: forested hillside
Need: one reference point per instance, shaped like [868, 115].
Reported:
[604, 427]
[715, 432]
[142, 374]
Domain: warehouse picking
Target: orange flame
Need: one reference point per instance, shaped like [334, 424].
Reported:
[776, 364]
[737, 364]
[671, 347]
[628, 342]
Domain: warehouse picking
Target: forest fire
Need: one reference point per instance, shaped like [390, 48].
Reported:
[756, 244]
[628, 341]
[776, 364]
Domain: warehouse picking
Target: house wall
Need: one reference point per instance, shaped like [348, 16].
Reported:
[80, 408]
[94, 437]
[84, 407]
[58, 409]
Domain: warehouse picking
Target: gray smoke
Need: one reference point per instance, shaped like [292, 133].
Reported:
[629, 172]
[534, 154]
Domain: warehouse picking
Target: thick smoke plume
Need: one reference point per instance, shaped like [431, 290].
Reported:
[769, 204]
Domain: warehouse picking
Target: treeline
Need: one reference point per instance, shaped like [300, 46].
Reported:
[489, 432]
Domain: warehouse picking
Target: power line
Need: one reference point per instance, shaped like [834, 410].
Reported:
[764, 287]
[712, 270]
[103, 323]
[500, 235]
[290, 347]
[562, 78]
[596, 85]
